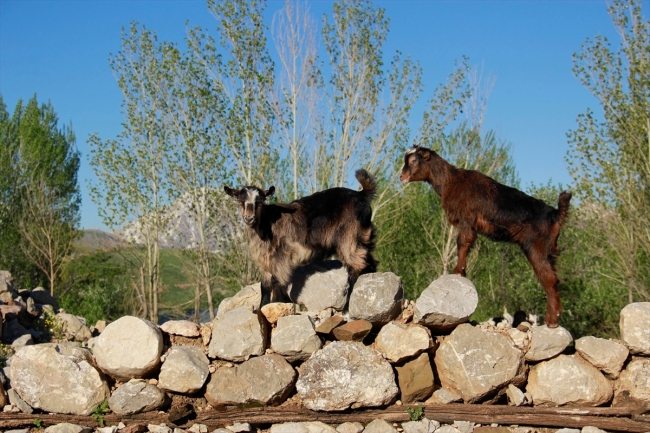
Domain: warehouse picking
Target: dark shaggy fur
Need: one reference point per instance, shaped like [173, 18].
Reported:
[310, 229]
[475, 203]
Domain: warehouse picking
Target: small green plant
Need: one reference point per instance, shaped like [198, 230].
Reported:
[52, 327]
[416, 413]
[6, 351]
[100, 411]
[38, 423]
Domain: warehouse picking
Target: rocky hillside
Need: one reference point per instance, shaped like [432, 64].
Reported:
[330, 351]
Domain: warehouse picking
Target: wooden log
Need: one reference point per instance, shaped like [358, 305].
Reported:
[611, 419]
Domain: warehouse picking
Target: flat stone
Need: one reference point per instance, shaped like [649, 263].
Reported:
[184, 328]
[356, 330]
[329, 324]
[136, 396]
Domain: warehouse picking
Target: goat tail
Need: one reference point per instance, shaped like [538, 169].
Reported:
[563, 206]
[367, 181]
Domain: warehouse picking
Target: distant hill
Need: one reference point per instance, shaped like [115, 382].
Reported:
[93, 240]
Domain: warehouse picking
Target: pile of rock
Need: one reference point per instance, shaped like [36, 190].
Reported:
[329, 352]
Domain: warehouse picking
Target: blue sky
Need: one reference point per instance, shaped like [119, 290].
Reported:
[59, 49]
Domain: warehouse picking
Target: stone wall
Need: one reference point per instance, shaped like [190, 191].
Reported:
[320, 353]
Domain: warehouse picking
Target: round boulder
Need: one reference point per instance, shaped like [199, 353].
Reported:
[129, 348]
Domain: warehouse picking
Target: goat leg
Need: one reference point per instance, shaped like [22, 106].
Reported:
[464, 242]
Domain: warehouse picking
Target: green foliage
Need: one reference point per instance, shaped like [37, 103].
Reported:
[96, 286]
[99, 412]
[39, 192]
[38, 423]
[6, 352]
[415, 413]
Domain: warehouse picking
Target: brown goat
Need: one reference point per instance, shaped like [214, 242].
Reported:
[310, 229]
[475, 203]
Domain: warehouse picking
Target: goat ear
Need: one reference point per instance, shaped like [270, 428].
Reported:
[424, 153]
[269, 192]
[231, 192]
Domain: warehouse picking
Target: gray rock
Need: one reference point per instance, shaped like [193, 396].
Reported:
[398, 341]
[15, 399]
[346, 374]
[249, 296]
[377, 297]
[240, 427]
[476, 363]
[129, 348]
[237, 335]
[379, 426]
[568, 430]
[295, 338]
[32, 309]
[423, 426]
[68, 428]
[184, 328]
[446, 303]
[606, 355]
[448, 429]
[22, 341]
[635, 331]
[266, 380]
[319, 286]
[302, 427]
[547, 342]
[185, 370]
[547, 383]
[516, 397]
[42, 296]
[444, 396]
[591, 429]
[350, 427]
[464, 426]
[633, 385]
[7, 292]
[73, 327]
[162, 428]
[137, 396]
[58, 378]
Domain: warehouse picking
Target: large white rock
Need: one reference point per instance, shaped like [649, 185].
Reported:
[136, 396]
[346, 374]
[446, 303]
[633, 385]
[265, 379]
[129, 348]
[606, 355]
[249, 296]
[635, 331]
[476, 363]
[377, 297]
[320, 285]
[238, 335]
[567, 379]
[57, 378]
[547, 342]
[73, 327]
[398, 341]
[185, 370]
[295, 338]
